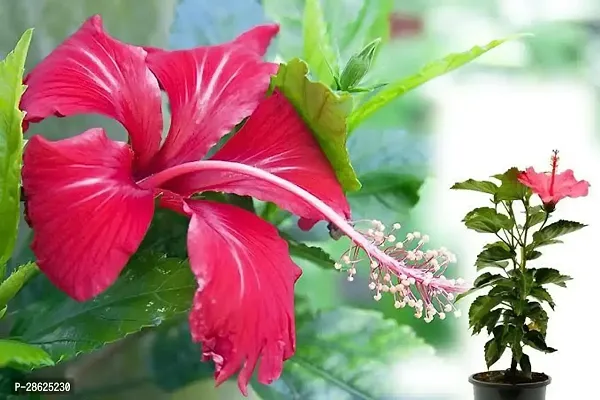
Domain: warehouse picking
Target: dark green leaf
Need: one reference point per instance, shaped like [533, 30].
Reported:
[493, 256]
[325, 114]
[15, 352]
[167, 234]
[510, 189]
[480, 307]
[532, 254]
[152, 290]
[476, 186]
[550, 275]
[536, 340]
[402, 86]
[174, 360]
[483, 281]
[318, 51]
[488, 321]
[11, 145]
[315, 255]
[330, 358]
[493, 351]
[525, 364]
[554, 230]
[487, 220]
[542, 294]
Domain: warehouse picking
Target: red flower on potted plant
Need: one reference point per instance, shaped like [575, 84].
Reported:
[513, 311]
[90, 199]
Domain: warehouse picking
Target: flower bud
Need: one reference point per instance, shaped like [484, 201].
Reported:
[358, 65]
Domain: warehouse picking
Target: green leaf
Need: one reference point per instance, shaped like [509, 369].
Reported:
[525, 364]
[476, 186]
[538, 317]
[487, 220]
[11, 145]
[346, 354]
[484, 280]
[536, 215]
[391, 181]
[542, 294]
[350, 23]
[550, 275]
[554, 230]
[493, 255]
[526, 280]
[14, 352]
[510, 189]
[318, 52]
[429, 72]
[532, 254]
[315, 255]
[489, 321]
[152, 290]
[325, 114]
[495, 347]
[480, 307]
[535, 339]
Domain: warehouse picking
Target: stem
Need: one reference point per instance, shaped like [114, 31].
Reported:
[327, 212]
[11, 286]
[545, 220]
[513, 367]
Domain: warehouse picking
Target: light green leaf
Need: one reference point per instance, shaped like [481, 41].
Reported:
[11, 145]
[346, 354]
[325, 114]
[429, 72]
[351, 24]
[152, 290]
[318, 52]
[22, 354]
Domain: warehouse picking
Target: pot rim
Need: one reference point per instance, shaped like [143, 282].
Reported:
[532, 385]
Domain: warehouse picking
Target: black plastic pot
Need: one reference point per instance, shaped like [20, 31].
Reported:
[504, 391]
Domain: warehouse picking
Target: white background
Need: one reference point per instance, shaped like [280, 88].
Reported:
[486, 125]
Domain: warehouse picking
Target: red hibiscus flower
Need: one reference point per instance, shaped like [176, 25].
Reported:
[553, 187]
[90, 200]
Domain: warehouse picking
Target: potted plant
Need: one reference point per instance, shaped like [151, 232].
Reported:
[514, 311]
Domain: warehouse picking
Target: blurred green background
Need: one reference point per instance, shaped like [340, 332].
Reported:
[392, 153]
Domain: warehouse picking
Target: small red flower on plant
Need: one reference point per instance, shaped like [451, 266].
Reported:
[90, 200]
[553, 187]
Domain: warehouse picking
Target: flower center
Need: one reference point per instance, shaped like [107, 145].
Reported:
[554, 162]
[416, 274]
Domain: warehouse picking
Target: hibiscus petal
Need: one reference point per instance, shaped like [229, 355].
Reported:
[210, 90]
[88, 216]
[565, 185]
[91, 72]
[538, 182]
[274, 139]
[244, 308]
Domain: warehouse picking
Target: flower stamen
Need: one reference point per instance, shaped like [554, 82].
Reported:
[403, 269]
